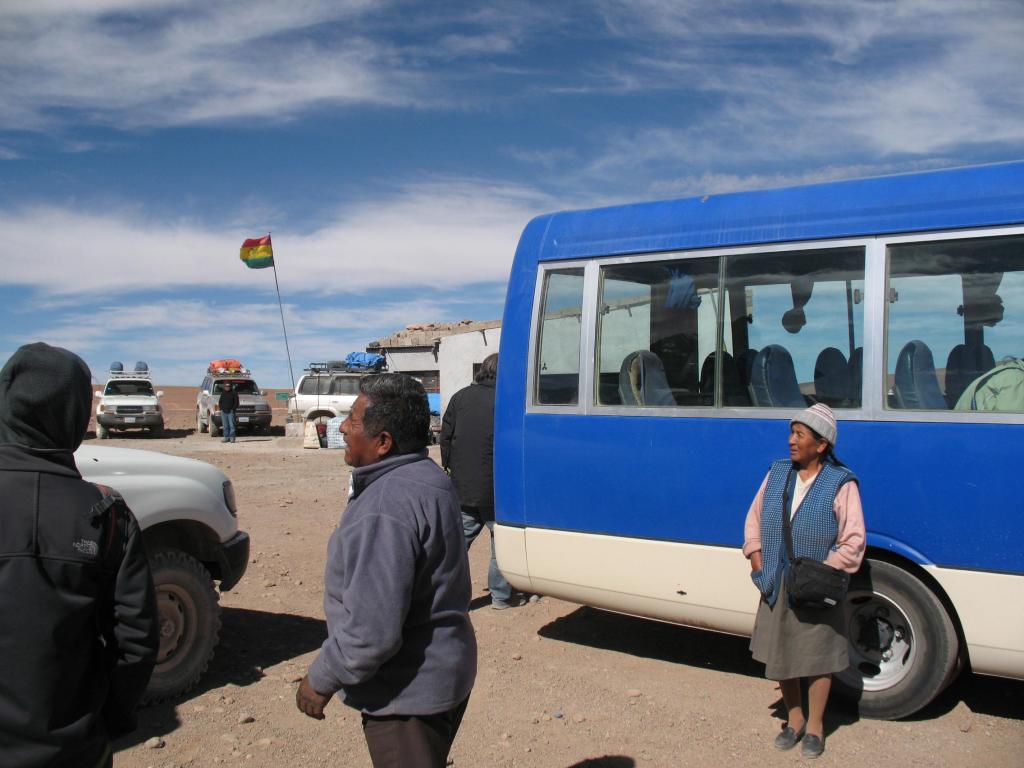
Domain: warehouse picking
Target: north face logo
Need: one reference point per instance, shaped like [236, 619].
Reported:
[86, 547]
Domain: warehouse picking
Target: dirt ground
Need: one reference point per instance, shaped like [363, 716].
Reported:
[559, 685]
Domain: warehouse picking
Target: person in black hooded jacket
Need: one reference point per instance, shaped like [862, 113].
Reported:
[467, 453]
[77, 608]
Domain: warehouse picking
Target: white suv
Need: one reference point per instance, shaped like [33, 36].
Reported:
[253, 409]
[325, 391]
[186, 510]
[128, 401]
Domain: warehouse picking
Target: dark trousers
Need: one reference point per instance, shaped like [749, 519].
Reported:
[412, 741]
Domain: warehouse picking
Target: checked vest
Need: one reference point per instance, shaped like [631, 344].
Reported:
[814, 526]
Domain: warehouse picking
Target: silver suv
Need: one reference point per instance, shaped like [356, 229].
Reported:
[253, 412]
[325, 391]
[186, 510]
[127, 401]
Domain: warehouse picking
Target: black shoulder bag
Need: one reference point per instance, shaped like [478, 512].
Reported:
[811, 583]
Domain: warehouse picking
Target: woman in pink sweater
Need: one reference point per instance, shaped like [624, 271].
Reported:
[822, 500]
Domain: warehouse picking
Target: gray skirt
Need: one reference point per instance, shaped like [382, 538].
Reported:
[794, 642]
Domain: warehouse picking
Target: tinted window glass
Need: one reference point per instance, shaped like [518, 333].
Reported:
[308, 386]
[656, 322]
[558, 342]
[794, 329]
[345, 385]
[955, 325]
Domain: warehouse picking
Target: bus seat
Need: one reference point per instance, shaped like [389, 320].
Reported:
[734, 392]
[832, 377]
[744, 365]
[965, 363]
[917, 384]
[642, 380]
[773, 381]
[856, 375]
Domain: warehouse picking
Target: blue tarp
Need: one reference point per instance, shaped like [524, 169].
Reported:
[364, 361]
[434, 399]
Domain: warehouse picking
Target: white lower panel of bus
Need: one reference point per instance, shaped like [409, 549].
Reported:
[991, 611]
[710, 587]
[691, 584]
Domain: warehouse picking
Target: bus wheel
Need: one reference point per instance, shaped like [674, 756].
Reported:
[903, 645]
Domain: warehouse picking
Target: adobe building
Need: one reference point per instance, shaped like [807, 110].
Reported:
[444, 356]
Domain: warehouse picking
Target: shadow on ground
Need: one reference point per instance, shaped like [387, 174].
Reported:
[608, 761]
[239, 660]
[654, 640]
[994, 696]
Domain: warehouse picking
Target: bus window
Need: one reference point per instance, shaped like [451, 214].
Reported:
[655, 320]
[558, 340]
[955, 322]
[795, 323]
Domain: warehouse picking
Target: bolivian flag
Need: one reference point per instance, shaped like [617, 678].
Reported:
[258, 253]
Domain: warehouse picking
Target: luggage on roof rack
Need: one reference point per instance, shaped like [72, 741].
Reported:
[228, 365]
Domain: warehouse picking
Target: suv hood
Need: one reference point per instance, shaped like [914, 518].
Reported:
[161, 488]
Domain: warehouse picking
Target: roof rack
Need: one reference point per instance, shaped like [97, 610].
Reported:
[147, 374]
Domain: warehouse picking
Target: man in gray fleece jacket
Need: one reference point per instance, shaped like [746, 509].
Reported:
[400, 645]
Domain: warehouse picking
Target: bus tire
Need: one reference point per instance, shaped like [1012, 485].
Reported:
[903, 647]
[189, 616]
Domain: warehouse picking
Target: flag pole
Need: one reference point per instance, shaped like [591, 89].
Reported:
[284, 330]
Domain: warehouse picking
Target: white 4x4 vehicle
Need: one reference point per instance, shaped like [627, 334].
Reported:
[128, 401]
[326, 390]
[186, 510]
[253, 409]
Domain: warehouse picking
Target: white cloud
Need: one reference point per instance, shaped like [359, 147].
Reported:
[441, 234]
[178, 336]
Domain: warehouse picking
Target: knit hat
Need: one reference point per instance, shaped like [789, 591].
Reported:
[820, 418]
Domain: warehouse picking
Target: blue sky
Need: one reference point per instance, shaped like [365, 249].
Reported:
[397, 149]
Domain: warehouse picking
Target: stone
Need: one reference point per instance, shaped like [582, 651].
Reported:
[634, 693]
[517, 657]
[155, 743]
[245, 717]
[578, 718]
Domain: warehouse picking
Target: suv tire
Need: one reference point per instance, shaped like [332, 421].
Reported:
[157, 431]
[189, 616]
[102, 433]
[200, 426]
[214, 429]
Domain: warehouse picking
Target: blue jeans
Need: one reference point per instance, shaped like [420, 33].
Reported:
[227, 423]
[472, 524]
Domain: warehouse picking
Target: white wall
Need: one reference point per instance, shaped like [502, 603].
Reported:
[456, 357]
[415, 359]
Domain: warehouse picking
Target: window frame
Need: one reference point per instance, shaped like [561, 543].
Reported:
[874, 332]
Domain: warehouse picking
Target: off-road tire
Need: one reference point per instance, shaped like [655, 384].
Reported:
[102, 433]
[888, 602]
[214, 429]
[157, 431]
[189, 615]
[200, 426]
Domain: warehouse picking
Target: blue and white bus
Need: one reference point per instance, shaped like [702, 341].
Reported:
[653, 354]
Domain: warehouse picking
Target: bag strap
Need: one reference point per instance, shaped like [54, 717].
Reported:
[787, 526]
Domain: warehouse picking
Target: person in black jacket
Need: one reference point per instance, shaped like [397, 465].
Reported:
[79, 630]
[467, 452]
[228, 405]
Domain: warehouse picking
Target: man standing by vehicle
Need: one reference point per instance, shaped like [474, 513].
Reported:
[400, 645]
[228, 405]
[77, 608]
[467, 452]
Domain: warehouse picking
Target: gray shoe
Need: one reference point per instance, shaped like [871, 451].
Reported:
[499, 605]
[788, 738]
[812, 747]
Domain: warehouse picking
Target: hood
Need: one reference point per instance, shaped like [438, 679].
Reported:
[45, 398]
